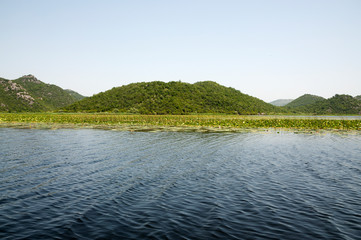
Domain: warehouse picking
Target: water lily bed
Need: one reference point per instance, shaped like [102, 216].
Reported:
[175, 122]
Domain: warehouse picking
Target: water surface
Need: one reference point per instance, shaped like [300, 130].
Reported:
[95, 184]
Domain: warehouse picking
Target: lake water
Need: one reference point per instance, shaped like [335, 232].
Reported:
[96, 184]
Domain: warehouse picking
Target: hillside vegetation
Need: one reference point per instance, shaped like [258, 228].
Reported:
[305, 99]
[28, 94]
[281, 102]
[173, 98]
[338, 104]
[74, 94]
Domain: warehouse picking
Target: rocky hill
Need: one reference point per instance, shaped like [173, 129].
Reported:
[32, 95]
[173, 98]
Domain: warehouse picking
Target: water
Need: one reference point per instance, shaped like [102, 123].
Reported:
[95, 184]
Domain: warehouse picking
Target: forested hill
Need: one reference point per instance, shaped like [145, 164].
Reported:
[338, 104]
[304, 100]
[29, 94]
[173, 98]
[74, 94]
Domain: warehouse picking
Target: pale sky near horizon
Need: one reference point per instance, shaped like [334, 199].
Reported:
[269, 49]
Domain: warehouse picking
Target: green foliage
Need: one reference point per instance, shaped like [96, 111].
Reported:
[74, 94]
[173, 98]
[304, 100]
[28, 94]
[281, 102]
[119, 121]
[338, 104]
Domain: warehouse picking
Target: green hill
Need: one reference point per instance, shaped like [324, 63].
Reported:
[173, 98]
[358, 97]
[305, 99]
[338, 104]
[281, 102]
[31, 95]
[74, 94]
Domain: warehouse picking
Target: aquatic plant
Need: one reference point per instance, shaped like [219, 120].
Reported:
[213, 121]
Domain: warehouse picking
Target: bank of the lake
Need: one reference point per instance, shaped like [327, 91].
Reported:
[179, 122]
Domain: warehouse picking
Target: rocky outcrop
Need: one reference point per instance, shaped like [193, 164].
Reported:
[26, 97]
[30, 78]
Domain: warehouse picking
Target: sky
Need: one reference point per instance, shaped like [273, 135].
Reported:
[269, 49]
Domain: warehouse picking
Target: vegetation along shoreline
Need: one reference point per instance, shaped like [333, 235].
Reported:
[205, 106]
[199, 123]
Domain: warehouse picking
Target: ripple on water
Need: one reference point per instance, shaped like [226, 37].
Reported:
[91, 184]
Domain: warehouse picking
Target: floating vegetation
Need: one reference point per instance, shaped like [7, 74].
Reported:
[201, 123]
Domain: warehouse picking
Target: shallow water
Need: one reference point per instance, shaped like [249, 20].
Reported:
[90, 184]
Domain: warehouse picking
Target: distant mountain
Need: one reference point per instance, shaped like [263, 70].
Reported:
[281, 102]
[30, 94]
[305, 99]
[74, 94]
[173, 98]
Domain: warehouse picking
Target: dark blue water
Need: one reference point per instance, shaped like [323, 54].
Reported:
[95, 184]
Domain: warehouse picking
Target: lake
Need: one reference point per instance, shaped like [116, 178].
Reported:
[96, 184]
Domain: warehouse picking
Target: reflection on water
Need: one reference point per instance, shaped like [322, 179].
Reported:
[91, 184]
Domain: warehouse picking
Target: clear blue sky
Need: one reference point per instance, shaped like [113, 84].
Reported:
[269, 49]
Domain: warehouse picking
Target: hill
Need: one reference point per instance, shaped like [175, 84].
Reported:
[281, 102]
[74, 94]
[358, 97]
[173, 98]
[338, 104]
[305, 99]
[32, 95]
